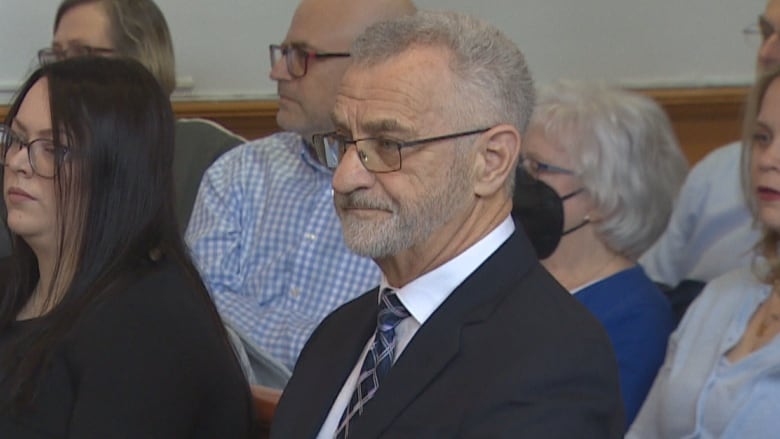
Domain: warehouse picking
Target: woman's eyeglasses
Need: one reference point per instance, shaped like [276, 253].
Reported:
[43, 155]
[54, 54]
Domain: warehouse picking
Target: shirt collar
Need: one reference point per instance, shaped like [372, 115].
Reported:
[308, 156]
[423, 295]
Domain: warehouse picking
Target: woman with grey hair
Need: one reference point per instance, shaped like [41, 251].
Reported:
[604, 168]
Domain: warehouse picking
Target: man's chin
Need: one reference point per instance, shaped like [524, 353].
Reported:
[372, 239]
[287, 120]
[367, 249]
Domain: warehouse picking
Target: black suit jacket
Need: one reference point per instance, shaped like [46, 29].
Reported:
[508, 354]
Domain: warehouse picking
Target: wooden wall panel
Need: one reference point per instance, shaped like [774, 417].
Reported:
[703, 118]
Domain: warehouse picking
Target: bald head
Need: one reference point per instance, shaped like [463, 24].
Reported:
[338, 22]
[324, 26]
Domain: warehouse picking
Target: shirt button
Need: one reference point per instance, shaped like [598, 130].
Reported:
[310, 236]
[295, 292]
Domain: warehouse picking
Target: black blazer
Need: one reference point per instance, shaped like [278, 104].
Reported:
[5, 240]
[508, 354]
[145, 361]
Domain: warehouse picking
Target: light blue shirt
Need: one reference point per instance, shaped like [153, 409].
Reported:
[421, 297]
[711, 229]
[268, 243]
[699, 393]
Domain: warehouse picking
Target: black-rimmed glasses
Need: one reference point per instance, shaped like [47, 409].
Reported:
[44, 156]
[297, 58]
[377, 155]
[53, 54]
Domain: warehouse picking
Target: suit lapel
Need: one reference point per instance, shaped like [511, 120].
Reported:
[437, 342]
[334, 357]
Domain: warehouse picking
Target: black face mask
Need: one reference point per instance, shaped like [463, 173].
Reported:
[539, 209]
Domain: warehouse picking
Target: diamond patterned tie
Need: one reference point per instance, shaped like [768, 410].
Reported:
[378, 359]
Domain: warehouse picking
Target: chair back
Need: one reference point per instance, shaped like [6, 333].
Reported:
[265, 399]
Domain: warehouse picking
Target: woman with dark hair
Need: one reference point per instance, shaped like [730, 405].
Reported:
[106, 329]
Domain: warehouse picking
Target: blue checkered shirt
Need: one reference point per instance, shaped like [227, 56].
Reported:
[268, 243]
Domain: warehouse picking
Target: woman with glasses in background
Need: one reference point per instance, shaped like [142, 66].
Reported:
[602, 168]
[106, 329]
[137, 29]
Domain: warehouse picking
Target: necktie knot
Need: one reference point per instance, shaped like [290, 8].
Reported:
[391, 311]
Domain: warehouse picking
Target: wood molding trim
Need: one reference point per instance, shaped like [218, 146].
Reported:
[703, 118]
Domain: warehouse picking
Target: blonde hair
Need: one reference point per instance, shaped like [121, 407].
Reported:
[138, 31]
[767, 245]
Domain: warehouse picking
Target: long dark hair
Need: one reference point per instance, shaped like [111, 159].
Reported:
[114, 193]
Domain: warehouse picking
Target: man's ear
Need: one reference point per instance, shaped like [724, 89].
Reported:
[496, 159]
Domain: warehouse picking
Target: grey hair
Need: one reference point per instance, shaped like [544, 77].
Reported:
[625, 153]
[494, 86]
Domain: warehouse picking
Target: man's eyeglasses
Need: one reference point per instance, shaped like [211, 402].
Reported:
[534, 167]
[297, 58]
[43, 155]
[53, 54]
[377, 155]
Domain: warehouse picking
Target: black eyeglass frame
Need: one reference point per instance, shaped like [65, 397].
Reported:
[49, 55]
[284, 50]
[8, 138]
[318, 141]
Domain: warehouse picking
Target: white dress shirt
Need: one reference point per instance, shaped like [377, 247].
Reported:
[421, 297]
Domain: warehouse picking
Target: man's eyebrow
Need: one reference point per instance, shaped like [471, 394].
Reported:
[386, 126]
[338, 122]
[299, 45]
[372, 127]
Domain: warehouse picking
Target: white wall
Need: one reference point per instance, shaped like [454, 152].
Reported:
[221, 45]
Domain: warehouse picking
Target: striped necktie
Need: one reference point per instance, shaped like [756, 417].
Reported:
[378, 359]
